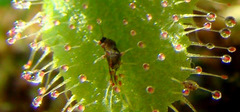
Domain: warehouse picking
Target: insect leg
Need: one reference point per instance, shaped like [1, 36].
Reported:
[100, 58]
[122, 53]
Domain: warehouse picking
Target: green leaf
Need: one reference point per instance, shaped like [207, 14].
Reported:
[96, 92]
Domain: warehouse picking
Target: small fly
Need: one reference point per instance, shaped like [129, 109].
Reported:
[113, 56]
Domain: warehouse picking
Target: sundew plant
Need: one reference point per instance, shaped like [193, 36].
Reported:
[119, 55]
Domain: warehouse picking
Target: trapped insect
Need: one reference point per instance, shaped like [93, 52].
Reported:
[113, 56]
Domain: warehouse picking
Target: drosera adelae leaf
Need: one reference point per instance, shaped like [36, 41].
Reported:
[153, 73]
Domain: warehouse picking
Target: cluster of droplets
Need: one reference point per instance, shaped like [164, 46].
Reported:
[23, 4]
[190, 85]
[19, 26]
[35, 76]
[164, 35]
[225, 33]
[32, 72]
[79, 107]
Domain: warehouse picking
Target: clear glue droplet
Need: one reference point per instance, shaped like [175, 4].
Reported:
[230, 21]
[35, 77]
[164, 34]
[125, 22]
[175, 18]
[232, 49]
[41, 90]
[225, 32]
[226, 58]
[207, 25]
[54, 94]
[178, 47]
[185, 92]
[82, 78]
[37, 101]
[64, 68]
[67, 47]
[198, 69]
[161, 57]
[164, 3]
[132, 5]
[210, 45]
[211, 16]
[141, 44]
[149, 17]
[33, 45]
[11, 41]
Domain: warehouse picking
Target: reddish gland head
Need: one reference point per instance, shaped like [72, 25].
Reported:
[226, 59]
[64, 67]
[37, 101]
[178, 47]
[41, 90]
[164, 34]
[198, 69]
[212, 15]
[27, 76]
[216, 95]
[125, 22]
[232, 49]
[149, 17]
[186, 91]
[82, 78]
[228, 32]
[224, 77]
[164, 3]
[175, 18]
[81, 107]
[41, 73]
[207, 25]
[67, 47]
[28, 65]
[90, 27]
[71, 26]
[141, 44]
[133, 32]
[54, 94]
[132, 5]
[146, 66]
[150, 89]
[161, 57]
[116, 89]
